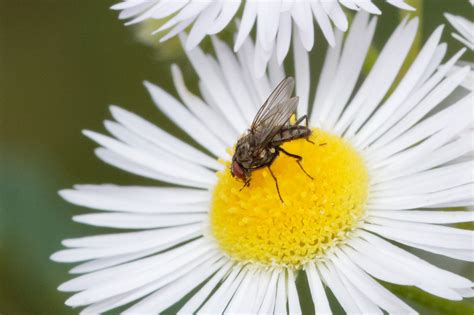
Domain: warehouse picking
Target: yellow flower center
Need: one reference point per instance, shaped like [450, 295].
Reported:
[253, 225]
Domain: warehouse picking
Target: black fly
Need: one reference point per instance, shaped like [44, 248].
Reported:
[270, 128]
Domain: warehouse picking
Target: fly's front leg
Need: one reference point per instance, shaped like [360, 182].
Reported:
[298, 161]
[276, 183]
[246, 184]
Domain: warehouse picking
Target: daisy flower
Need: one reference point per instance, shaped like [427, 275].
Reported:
[274, 21]
[391, 162]
[465, 35]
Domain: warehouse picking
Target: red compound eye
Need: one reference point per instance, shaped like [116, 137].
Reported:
[237, 170]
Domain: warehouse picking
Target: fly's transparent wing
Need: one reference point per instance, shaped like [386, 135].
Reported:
[279, 95]
[278, 116]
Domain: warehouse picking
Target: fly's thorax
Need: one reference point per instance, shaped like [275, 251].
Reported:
[244, 150]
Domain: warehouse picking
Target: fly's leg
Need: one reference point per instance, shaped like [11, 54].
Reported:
[305, 119]
[298, 160]
[246, 184]
[276, 184]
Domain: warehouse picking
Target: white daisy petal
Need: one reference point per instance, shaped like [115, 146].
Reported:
[125, 164]
[336, 14]
[459, 254]
[327, 76]
[178, 28]
[427, 216]
[229, 8]
[323, 21]
[466, 292]
[137, 221]
[283, 37]
[434, 64]
[191, 10]
[268, 15]
[202, 24]
[281, 295]
[294, 306]
[320, 300]
[102, 263]
[129, 200]
[303, 23]
[302, 76]
[249, 16]
[268, 303]
[276, 72]
[168, 7]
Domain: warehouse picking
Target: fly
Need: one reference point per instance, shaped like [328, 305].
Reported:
[271, 127]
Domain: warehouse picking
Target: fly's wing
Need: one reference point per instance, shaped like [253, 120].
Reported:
[276, 118]
[279, 95]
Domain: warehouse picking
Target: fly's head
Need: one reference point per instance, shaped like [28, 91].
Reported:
[242, 158]
[249, 156]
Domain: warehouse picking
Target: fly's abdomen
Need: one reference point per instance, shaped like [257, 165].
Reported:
[289, 133]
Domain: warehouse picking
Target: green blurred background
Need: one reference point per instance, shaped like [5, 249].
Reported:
[62, 62]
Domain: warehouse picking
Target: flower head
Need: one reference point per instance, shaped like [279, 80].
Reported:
[275, 21]
[385, 162]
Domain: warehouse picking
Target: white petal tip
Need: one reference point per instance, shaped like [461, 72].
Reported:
[66, 193]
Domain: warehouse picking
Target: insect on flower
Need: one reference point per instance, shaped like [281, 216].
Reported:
[271, 127]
